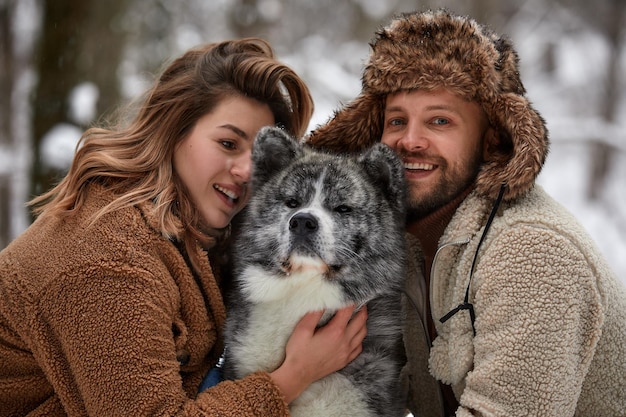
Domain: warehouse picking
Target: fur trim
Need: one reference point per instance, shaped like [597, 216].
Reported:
[438, 49]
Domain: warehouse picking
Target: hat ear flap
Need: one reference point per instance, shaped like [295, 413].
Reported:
[529, 141]
[355, 127]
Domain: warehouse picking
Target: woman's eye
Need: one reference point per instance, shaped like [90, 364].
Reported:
[343, 209]
[292, 203]
[228, 144]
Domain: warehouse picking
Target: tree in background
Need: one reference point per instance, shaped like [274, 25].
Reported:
[117, 45]
[80, 42]
[6, 82]
[17, 31]
[609, 18]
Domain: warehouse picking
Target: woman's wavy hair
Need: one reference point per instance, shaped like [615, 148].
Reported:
[135, 161]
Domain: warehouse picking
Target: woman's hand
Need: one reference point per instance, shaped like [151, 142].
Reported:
[312, 353]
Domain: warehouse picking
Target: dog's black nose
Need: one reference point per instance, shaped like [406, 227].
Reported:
[303, 224]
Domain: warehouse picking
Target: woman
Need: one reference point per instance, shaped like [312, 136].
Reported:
[111, 303]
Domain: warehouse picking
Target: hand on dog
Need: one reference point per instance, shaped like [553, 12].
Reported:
[312, 353]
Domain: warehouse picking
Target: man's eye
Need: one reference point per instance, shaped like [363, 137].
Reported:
[440, 121]
[395, 122]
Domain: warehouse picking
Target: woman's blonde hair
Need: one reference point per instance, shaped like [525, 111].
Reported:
[136, 161]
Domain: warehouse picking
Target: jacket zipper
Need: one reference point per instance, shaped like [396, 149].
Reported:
[433, 268]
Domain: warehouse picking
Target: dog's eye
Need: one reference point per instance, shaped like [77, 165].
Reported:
[292, 203]
[343, 209]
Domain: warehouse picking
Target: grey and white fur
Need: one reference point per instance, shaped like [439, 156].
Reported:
[321, 232]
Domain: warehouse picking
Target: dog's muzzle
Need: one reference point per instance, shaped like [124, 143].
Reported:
[303, 224]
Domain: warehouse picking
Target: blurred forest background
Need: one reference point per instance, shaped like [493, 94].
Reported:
[69, 64]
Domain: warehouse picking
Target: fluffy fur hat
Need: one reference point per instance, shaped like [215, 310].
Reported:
[438, 49]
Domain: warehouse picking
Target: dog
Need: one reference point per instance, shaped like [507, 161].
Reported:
[320, 232]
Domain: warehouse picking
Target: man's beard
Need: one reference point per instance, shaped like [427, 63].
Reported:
[451, 185]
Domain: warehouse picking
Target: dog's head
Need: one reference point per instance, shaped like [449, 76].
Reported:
[313, 214]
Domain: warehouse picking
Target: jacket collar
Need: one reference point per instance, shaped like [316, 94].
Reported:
[429, 229]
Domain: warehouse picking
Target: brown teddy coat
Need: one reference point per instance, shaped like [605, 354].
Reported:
[109, 320]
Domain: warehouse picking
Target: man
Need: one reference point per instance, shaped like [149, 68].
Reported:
[510, 308]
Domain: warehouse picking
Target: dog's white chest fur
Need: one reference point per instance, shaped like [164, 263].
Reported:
[277, 304]
[276, 307]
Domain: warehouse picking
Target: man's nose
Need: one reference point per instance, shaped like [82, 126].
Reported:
[414, 138]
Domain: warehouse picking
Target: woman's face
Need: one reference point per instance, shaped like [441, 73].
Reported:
[214, 160]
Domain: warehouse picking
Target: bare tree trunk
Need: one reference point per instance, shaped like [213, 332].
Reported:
[77, 45]
[16, 80]
[58, 72]
[601, 153]
[6, 80]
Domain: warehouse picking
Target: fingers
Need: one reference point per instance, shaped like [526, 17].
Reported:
[313, 352]
[346, 317]
[343, 318]
[309, 322]
[343, 315]
[345, 325]
[347, 329]
[360, 317]
[355, 352]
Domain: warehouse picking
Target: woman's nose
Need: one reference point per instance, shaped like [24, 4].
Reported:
[242, 167]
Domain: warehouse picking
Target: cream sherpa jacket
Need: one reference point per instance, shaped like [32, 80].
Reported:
[550, 317]
[109, 320]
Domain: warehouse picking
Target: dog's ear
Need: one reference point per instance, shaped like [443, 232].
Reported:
[386, 171]
[272, 151]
